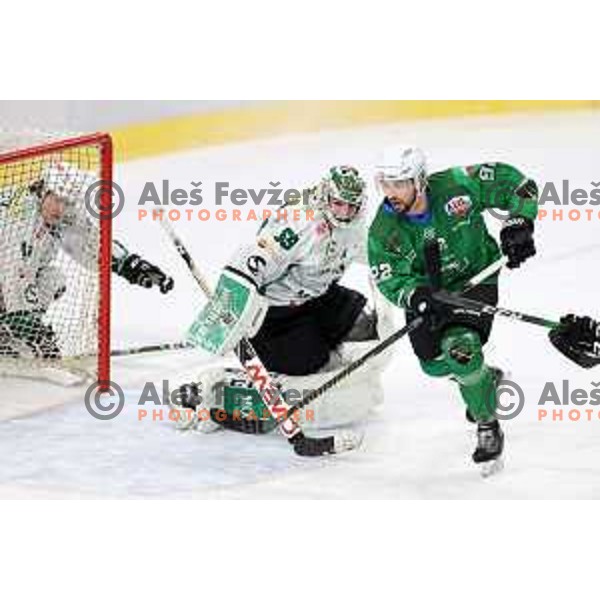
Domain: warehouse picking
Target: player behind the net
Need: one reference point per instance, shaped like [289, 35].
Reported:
[446, 207]
[37, 223]
[282, 291]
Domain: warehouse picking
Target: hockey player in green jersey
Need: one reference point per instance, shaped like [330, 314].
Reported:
[445, 208]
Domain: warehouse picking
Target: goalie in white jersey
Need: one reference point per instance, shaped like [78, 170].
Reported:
[281, 291]
[37, 224]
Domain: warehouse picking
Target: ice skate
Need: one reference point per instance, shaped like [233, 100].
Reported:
[490, 444]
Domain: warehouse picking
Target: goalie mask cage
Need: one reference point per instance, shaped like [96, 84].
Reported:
[55, 255]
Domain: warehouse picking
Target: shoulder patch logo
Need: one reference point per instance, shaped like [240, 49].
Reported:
[287, 238]
[458, 206]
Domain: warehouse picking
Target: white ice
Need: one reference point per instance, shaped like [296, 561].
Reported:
[418, 444]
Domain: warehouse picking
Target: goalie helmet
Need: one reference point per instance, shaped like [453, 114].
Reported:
[341, 195]
[64, 180]
[402, 163]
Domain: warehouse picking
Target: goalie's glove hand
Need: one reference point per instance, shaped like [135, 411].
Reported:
[516, 240]
[138, 271]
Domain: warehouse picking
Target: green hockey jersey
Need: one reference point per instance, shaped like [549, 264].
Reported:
[457, 198]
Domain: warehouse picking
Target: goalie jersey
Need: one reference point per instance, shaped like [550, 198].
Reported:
[30, 250]
[294, 261]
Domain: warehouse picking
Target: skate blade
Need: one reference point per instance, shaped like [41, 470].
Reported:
[491, 467]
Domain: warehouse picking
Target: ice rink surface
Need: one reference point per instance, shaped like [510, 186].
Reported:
[418, 444]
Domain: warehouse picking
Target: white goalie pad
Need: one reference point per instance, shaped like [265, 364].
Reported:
[345, 404]
[348, 403]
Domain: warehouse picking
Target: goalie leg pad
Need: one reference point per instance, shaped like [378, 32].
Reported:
[348, 403]
[238, 405]
[222, 397]
[235, 404]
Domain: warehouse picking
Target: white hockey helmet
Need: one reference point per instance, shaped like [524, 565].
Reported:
[400, 163]
[66, 180]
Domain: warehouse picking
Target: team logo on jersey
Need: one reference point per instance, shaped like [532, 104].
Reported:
[287, 238]
[459, 206]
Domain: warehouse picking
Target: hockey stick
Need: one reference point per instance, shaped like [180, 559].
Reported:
[485, 274]
[167, 346]
[585, 354]
[359, 362]
[271, 395]
[151, 348]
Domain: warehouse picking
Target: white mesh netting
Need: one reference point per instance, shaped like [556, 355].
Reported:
[50, 254]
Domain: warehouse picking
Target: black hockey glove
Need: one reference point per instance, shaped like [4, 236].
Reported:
[423, 303]
[583, 329]
[516, 239]
[578, 338]
[138, 271]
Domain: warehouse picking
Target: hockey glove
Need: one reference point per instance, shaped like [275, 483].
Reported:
[516, 239]
[578, 338]
[423, 303]
[138, 271]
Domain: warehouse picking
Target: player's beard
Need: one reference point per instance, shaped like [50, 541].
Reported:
[405, 207]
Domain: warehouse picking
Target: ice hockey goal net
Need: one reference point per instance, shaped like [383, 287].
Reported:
[55, 254]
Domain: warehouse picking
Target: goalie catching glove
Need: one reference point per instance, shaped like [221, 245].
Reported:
[236, 310]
